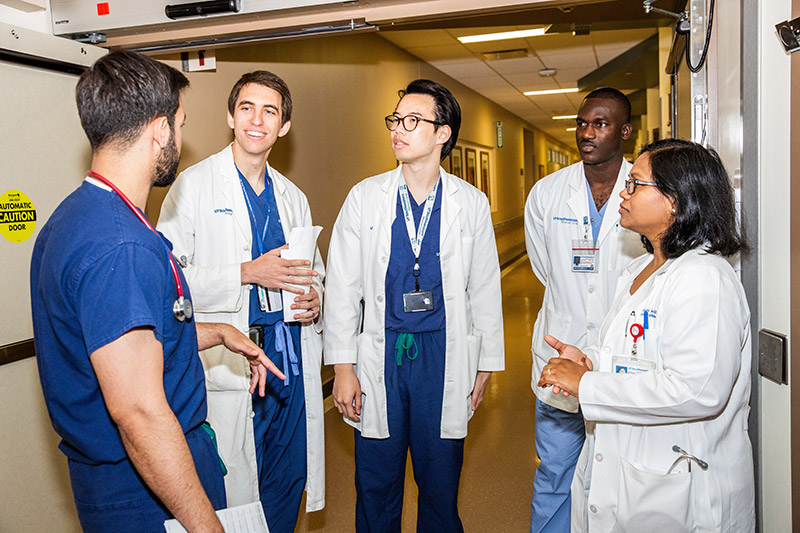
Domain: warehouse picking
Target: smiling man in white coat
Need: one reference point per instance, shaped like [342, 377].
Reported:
[228, 217]
[578, 250]
[414, 317]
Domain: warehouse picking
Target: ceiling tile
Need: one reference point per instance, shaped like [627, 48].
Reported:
[521, 65]
[555, 104]
[487, 82]
[502, 93]
[464, 69]
[531, 81]
[561, 59]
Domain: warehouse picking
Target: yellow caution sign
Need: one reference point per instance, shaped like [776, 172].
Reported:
[17, 216]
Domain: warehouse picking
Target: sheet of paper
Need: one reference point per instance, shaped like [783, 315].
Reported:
[242, 519]
[302, 245]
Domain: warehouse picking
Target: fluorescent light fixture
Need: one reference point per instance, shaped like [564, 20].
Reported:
[572, 129]
[551, 91]
[486, 37]
[565, 117]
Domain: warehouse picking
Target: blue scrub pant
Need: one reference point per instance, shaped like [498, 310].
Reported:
[279, 428]
[112, 497]
[414, 409]
[559, 439]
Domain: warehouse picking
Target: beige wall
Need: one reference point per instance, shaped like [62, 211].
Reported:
[342, 87]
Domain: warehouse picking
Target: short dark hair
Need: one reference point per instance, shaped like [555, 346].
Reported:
[446, 111]
[268, 80]
[609, 93]
[122, 93]
[696, 181]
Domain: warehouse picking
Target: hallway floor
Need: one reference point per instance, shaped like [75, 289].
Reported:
[499, 462]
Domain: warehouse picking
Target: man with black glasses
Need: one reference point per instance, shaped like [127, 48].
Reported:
[414, 317]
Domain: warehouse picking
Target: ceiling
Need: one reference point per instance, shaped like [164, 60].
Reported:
[616, 28]
[619, 47]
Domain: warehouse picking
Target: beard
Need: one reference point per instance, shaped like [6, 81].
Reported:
[166, 168]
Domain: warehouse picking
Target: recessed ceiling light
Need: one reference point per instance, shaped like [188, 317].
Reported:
[521, 34]
[572, 129]
[565, 117]
[550, 91]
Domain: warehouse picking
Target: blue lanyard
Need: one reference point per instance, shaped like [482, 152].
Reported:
[259, 242]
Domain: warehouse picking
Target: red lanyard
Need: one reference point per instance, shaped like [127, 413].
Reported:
[182, 308]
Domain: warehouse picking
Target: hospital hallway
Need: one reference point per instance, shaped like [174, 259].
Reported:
[499, 457]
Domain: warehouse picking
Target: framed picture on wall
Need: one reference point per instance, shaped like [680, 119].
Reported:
[447, 164]
[541, 171]
[485, 174]
[470, 165]
[455, 162]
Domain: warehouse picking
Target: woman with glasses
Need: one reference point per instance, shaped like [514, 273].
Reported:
[665, 391]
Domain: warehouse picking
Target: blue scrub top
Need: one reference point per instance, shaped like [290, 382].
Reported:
[262, 204]
[595, 216]
[96, 273]
[399, 276]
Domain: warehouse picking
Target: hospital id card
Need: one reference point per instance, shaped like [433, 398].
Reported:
[269, 299]
[631, 365]
[584, 255]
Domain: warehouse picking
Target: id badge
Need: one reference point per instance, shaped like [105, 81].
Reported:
[417, 301]
[584, 255]
[256, 334]
[631, 365]
[269, 299]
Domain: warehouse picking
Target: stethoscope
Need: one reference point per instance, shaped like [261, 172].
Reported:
[181, 308]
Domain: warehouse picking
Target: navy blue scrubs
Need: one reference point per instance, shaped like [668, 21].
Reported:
[280, 416]
[414, 389]
[96, 273]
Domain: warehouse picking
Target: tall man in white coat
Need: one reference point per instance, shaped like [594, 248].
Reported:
[414, 317]
[228, 217]
[577, 250]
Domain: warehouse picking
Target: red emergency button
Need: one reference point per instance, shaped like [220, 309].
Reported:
[102, 9]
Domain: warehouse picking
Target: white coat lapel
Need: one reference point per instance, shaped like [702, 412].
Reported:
[388, 208]
[611, 215]
[279, 189]
[450, 206]
[579, 198]
[231, 189]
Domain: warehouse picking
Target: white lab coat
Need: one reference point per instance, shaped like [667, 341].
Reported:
[696, 398]
[206, 218]
[575, 303]
[358, 257]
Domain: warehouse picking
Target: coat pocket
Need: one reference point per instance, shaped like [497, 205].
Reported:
[647, 501]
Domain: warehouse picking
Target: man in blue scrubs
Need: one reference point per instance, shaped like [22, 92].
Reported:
[577, 250]
[230, 216]
[413, 317]
[115, 341]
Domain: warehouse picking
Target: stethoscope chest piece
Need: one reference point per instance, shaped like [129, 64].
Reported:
[182, 309]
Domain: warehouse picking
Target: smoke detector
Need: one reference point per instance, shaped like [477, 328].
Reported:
[548, 72]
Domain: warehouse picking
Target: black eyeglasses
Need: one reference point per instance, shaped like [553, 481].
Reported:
[410, 122]
[630, 184]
